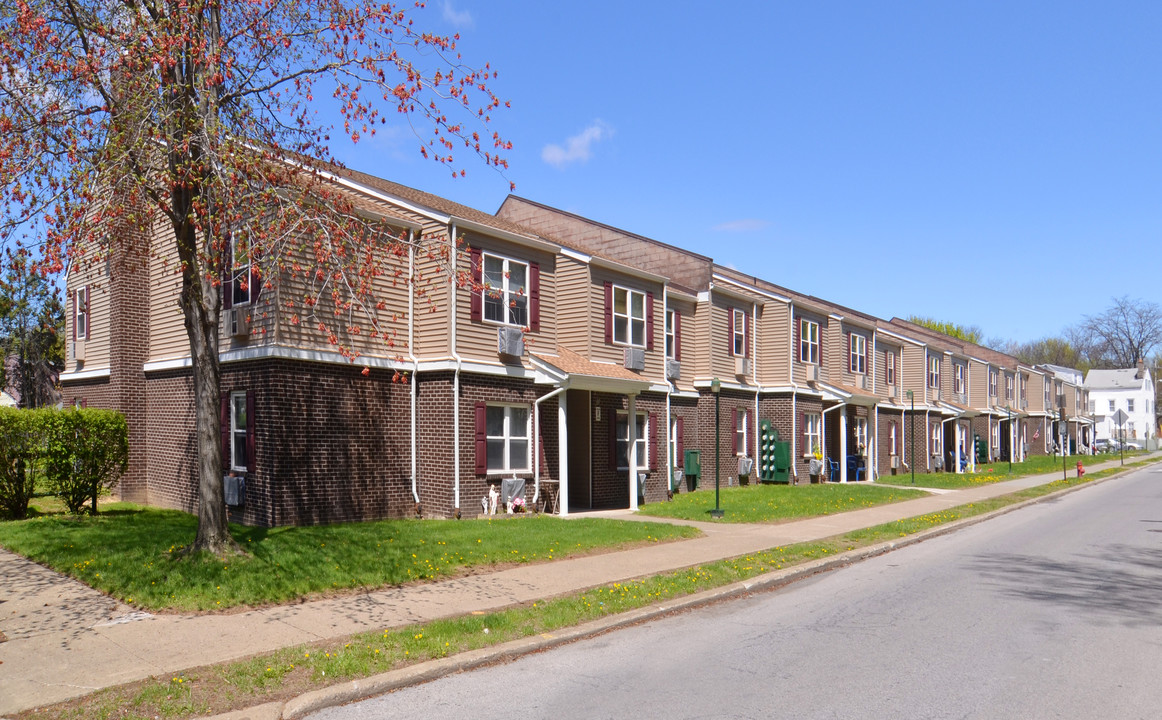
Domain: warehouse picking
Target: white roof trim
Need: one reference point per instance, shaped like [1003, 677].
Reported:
[530, 240]
[764, 293]
[901, 338]
[84, 375]
[418, 209]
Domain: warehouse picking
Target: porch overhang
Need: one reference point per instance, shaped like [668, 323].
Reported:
[958, 411]
[846, 395]
[580, 373]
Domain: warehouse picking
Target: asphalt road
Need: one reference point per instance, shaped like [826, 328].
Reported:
[1052, 611]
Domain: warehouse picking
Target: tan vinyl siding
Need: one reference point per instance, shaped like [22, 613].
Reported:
[698, 340]
[978, 384]
[574, 314]
[688, 325]
[800, 368]
[881, 352]
[835, 353]
[477, 340]
[97, 351]
[167, 330]
[773, 348]
[914, 372]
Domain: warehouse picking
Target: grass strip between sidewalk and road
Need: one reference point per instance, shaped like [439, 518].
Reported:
[999, 471]
[286, 673]
[779, 503]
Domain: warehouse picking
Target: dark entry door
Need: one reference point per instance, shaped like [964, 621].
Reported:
[579, 418]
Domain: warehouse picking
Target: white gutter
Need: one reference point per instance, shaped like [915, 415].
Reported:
[415, 360]
[537, 439]
[754, 317]
[456, 378]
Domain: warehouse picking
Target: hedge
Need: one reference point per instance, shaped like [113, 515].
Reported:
[81, 453]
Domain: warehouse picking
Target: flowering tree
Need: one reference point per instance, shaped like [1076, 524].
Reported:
[125, 123]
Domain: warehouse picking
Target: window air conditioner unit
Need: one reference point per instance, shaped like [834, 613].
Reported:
[79, 350]
[673, 369]
[510, 341]
[812, 373]
[895, 462]
[863, 383]
[893, 391]
[635, 359]
[239, 320]
[741, 366]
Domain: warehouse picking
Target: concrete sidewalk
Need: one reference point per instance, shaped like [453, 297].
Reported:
[65, 639]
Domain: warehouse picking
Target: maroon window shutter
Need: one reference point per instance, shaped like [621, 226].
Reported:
[653, 441]
[751, 448]
[850, 358]
[534, 297]
[803, 431]
[677, 335]
[224, 417]
[612, 439]
[748, 323]
[649, 321]
[88, 315]
[228, 274]
[250, 464]
[734, 430]
[608, 313]
[476, 304]
[799, 339]
[680, 446]
[84, 402]
[822, 342]
[74, 296]
[481, 438]
[730, 331]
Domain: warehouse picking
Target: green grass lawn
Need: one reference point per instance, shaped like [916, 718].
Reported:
[133, 553]
[999, 472]
[774, 503]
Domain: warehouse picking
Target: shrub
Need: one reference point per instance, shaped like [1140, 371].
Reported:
[86, 451]
[20, 449]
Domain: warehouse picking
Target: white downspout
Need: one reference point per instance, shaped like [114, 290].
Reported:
[669, 387]
[927, 439]
[754, 431]
[794, 399]
[456, 378]
[537, 439]
[631, 432]
[412, 355]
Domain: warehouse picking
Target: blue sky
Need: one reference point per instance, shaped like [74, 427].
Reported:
[988, 163]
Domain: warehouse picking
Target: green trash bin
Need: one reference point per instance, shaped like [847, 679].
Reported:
[692, 466]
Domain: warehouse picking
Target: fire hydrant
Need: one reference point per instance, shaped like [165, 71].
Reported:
[1080, 469]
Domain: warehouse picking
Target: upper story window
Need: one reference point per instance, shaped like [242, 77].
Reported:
[81, 312]
[933, 371]
[992, 383]
[506, 296]
[673, 328]
[1024, 382]
[808, 341]
[890, 368]
[1049, 397]
[858, 360]
[738, 328]
[1130, 404]
[1008, 387]
[241, 270]
[958, 378]
[629, 317]
[1113, 405]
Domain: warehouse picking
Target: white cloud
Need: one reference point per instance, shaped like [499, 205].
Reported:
[741, 226]
[459, 18]
[578, 147]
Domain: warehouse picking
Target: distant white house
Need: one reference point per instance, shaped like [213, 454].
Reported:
[7, 400]
[1130, 390]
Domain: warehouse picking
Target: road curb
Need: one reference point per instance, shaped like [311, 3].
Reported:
[365, 688]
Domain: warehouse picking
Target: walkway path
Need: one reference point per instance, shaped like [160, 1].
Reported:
[65, 639]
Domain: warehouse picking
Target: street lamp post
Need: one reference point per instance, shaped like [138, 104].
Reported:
[912, 441]
[1065, 436]
[715, 387]
[1011, 443]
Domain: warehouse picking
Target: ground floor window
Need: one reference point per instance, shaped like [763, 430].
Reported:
[995, 440]
[860, 435]
[621, 447]
[740, 432]
[812, 433]
[239, 425]
[892, 449]
[507, 438]
[937, 439]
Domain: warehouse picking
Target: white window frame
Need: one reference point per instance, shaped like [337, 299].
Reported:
[1129, 404]
[239, 426]
[892, 449]
[241, 273]
[857, 362]
[890, 372]
[937, 439]
[629, 320]
[995, 441]
[1008, 387]
[741, 436]
[958, 378]
[738, 340]
[813, 432]
[808, 341]
[933, 372]
[510, 301]
[671, 336]
[675, 461]
[641, 441]
[81, 312]
[1048, 395]
[508, 435]
[992, 382]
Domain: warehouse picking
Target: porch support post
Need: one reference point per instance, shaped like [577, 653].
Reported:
[843, 445]
[632, 433]
[563, 452]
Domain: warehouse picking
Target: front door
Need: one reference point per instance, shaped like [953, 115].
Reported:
[579, 418]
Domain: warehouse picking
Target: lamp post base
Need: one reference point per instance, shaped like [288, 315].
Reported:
[717, 513]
